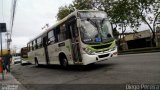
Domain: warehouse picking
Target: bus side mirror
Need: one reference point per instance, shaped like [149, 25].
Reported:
[78, 23]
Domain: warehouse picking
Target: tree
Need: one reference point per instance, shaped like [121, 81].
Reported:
[143, 9]
[63, 12]
[115, 33]
[134, 12]
[76, 4]
[121, 12]
[82, 4]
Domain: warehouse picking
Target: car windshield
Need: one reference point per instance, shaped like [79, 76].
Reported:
[96, 31]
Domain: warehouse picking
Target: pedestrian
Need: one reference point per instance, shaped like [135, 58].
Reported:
[7, 61]
[1, 65]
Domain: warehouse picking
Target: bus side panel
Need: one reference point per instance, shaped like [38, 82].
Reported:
[53, 54]
[55, 49]
[39, 54]
[31, 57]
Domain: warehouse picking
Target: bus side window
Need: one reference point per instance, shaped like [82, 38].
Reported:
[56, 32]
[51, 38]
[62, 34]
[36, 44]
[39, 42]
[28, 47]
[68, 32]
[32, 46]
[72, 27]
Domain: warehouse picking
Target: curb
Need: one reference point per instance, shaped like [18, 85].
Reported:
[141, 50]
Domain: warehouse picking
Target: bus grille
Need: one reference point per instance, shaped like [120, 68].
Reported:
[101, 46]
[102, 56]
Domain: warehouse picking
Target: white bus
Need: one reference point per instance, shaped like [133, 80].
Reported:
[83, 37]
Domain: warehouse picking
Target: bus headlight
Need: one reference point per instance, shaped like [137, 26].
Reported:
[113, 48]
[88, 51]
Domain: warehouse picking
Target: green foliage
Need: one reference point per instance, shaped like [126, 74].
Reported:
[119, 11]
[82, 4]
[78, 4]
[127, 12]
[115, 33]
[63, 12]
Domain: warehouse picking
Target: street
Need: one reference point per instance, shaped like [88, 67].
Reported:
[125, 69]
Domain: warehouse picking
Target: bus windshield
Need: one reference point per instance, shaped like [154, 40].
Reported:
[96, 31]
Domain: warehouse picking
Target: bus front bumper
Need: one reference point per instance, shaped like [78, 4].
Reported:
[88, 59]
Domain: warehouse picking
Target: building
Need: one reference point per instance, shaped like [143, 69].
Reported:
[140, 39]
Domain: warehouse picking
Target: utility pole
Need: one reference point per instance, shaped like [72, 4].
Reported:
[8, 40]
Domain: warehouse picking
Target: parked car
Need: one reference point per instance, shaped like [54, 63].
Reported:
[16, 58]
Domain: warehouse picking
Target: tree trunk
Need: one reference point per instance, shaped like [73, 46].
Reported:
[154, 26]
[152, 30]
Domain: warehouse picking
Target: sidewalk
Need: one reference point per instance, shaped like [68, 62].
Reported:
[10, 82]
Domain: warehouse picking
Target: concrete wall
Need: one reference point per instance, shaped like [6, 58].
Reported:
[138, 35]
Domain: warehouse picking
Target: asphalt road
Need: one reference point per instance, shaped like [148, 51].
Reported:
[119, 72]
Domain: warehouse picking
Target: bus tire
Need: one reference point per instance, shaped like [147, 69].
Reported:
[63, 60]
[36, 62]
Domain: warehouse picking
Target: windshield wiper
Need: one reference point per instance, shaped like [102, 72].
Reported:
[93, 23]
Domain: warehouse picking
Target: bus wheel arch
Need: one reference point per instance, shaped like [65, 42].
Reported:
[36, 61]
[63, 60]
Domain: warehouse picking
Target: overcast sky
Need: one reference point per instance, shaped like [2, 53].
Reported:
[30, 17]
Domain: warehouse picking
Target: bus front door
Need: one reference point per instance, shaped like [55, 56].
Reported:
[75, 44]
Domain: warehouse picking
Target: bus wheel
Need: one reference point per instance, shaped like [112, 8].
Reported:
[36, 62]
[63, 61]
